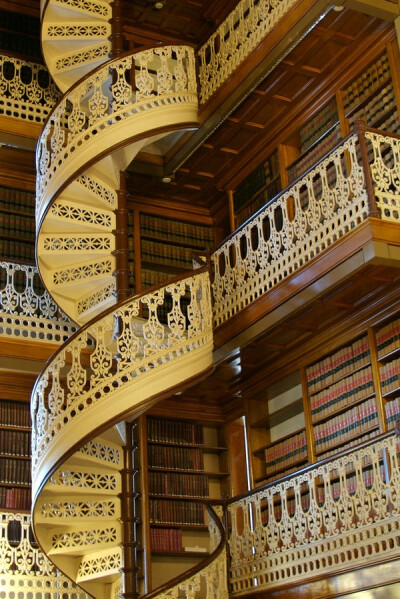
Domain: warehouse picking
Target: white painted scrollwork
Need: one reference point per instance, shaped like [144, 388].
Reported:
[27, 310]
[244, 28]
[342, 512]
[385, 171]
[24, 570]
[27, 91]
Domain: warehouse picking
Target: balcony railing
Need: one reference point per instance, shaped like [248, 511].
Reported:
[27, 91]
[358, 179]
[25, 571]
[27, 311]
[244, 28]
[321, 521]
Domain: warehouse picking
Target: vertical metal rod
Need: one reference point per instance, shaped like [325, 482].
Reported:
[121, 243]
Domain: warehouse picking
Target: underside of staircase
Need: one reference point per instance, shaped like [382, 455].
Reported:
[123, 357]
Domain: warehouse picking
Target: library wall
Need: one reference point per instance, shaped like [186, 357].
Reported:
[344, 397]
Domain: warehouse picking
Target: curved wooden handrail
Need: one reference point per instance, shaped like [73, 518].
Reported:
[201, 565]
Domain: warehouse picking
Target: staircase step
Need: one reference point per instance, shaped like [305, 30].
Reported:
[76, 280]
[92, 191]
[100, 565]
[79, 480]
[96, 301]
[67, 10]
[74, 34]
[71, 215]
[78, 540]
[63, 247]
[62, 510]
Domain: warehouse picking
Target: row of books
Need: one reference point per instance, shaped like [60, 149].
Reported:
[153, 277]
[391, 124]
[163, 253]
[15, 471]
[18, 200]
[366, 83]
[15, 498]
[180, 432]
[180, 231]
[389, 375]
[166, 539]
[258, 201]
[15, 443]
[392, 410]
[378, 105]
[343, 427]
[342, 393]
[175, 458]
[11, 249]
[249, 187]
[171, 483]
[15, 414]
[21, 227]
[341, 362]
[388, 338]
[319, 124]
[312, 156]
[286, 452]
[175, 511]
[348, 445]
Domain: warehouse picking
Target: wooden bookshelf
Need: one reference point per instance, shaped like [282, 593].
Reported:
[15, 451]
[186, 464]
[257, 189]
[161, 247]
[17, 225]
[387, 339]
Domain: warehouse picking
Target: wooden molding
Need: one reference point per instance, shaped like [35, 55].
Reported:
[16, 385]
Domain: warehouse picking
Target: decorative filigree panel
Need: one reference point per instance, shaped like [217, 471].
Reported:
[385, 171]
[78, 31]
[103, 194]
[320, 208]
[91, 481]
[27, 310]
[86, 243]
[85, 538]
[176, 324]
[105, 100]
[25, 572]
[98, 268]
[244, 28]
[82, 57]
[92, 566]
[73, 213]
[95, 7]
[78, 509]
[332, 516]
[102, 453]
[27, 91]
[93, 300]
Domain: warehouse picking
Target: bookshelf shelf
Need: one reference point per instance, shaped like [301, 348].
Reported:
[171, 241]
[271, 444]
[210, 474]
[313, 146]
[387, 81]
[280, 415]
[394, 353]
[183, 526]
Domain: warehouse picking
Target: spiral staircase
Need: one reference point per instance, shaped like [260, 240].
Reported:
[110, 111]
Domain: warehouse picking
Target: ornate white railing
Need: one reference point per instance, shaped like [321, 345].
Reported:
[27, 91]
[26, 310]
[385, 173]
[25, 571]
[114, 99]
[233, 41]
[329, 201]
[127, 350]
[322, 521]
